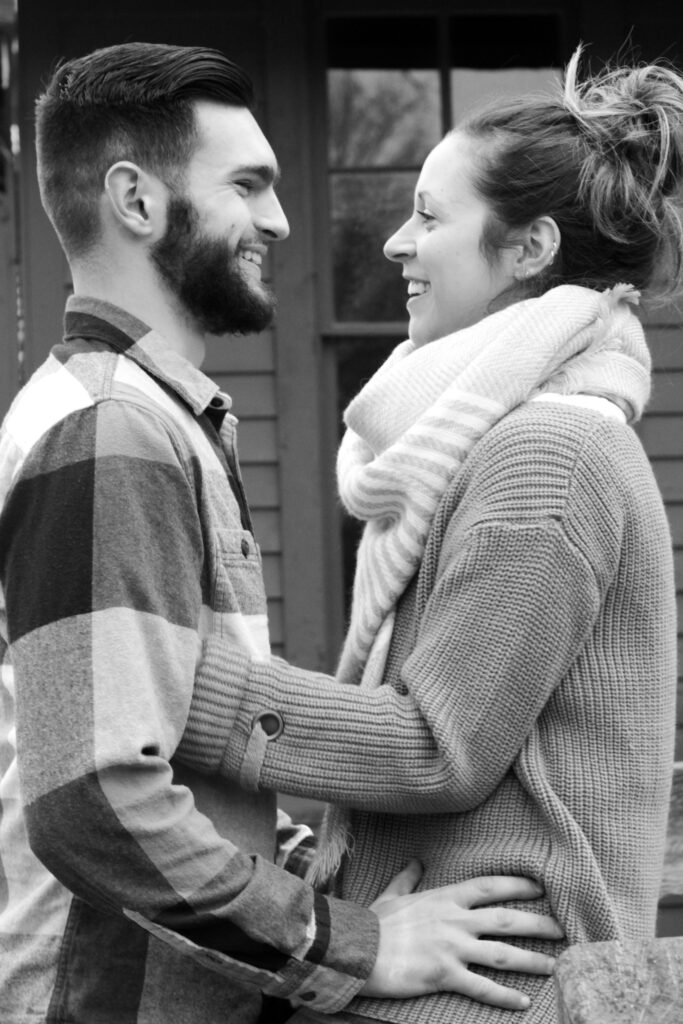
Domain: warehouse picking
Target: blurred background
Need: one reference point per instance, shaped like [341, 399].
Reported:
[352, 96]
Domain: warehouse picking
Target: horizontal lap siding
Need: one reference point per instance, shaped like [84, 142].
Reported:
[662, 434]
[9, 363]
[250, 381]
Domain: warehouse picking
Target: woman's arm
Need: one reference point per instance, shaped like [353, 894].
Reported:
[507, 618]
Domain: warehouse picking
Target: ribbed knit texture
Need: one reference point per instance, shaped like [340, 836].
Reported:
[583, 805]
[526, 718]
[525, 725]
[526, 721]
[412, 426]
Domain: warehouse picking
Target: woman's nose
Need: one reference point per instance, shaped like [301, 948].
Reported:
[400, 246]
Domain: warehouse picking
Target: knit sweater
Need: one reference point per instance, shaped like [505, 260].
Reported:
[526, 721]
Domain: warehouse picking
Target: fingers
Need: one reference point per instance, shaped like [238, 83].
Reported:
[503, 957]
[486, 991]
[403, 883]
[477, 892]
[521, 923]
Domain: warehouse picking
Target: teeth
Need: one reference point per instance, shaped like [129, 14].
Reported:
[417, 287]
[252, 257]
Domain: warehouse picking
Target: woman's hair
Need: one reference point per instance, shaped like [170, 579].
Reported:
[604, 159]
[127, 102]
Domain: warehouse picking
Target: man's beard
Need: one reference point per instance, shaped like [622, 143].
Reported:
[205, 276]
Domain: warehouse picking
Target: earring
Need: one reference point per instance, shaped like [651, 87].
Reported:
[553, 253]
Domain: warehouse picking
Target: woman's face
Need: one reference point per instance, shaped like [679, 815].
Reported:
[451, 284]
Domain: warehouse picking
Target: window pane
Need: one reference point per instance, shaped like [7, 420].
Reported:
[504, 40]
[367, 207]
[382, 42]
[473, 87]
[382, 118]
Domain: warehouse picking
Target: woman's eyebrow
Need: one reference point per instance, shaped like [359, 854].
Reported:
[426, 197]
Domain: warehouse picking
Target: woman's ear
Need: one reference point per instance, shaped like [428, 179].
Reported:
[135, 200]
[540, 245]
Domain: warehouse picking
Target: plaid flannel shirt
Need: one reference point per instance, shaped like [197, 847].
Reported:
[132, 890]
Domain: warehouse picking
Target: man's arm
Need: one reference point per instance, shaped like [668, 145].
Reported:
[428, 940]
[100, 563]
[100, 556]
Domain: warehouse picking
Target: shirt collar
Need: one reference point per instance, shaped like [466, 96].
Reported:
[103, 321]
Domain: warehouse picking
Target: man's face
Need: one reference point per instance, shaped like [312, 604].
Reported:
[218, 229]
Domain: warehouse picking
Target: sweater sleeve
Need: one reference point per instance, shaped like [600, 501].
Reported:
[509, 614]
[101, 569]
[524, 564]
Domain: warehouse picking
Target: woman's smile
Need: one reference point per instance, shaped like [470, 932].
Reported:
[451, 284]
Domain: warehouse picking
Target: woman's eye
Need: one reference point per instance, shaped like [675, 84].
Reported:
[425, 215]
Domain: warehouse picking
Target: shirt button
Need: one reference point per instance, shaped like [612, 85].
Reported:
[245, 547]
[220, 401]
[271, 722]
[307, 996]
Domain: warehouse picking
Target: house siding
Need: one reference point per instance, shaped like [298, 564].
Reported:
[276, 379]
[251, 382]
[661, 432]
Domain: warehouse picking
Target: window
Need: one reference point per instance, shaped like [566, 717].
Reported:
[384, 115]
[394, 85]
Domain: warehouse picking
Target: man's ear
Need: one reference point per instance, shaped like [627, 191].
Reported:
[540, 245]
[135, 199]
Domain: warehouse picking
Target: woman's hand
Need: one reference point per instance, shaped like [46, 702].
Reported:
[428, 939]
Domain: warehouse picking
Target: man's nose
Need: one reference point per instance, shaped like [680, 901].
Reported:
[271, 219]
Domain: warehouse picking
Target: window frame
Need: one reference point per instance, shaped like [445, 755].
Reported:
[332, 331]
[442, 11]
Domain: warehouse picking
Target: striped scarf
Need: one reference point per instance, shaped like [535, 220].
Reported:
[413, 424]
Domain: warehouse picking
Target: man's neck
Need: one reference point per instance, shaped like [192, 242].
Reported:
[142, 297]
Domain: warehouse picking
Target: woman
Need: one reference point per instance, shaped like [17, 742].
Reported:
[513, 625]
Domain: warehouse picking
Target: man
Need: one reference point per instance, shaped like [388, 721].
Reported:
[134, 890]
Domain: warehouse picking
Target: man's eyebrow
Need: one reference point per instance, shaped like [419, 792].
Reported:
[267, 173]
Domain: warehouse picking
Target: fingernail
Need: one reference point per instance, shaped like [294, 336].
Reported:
[525, 1002]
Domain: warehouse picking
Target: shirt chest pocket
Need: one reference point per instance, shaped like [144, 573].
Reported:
[237, 576]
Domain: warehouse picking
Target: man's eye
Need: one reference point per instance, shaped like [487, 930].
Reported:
[245, 187]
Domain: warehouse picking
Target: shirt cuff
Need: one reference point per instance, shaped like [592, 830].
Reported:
[220, 680]
[346, 943]
[326, 978]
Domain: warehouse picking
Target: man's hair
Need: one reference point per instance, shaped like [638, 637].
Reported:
[129, 102]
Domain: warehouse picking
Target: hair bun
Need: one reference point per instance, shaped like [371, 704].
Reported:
[631, 118]
[629, 122]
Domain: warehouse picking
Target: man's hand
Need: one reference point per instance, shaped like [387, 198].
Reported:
[427, 939]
